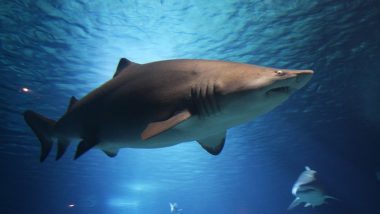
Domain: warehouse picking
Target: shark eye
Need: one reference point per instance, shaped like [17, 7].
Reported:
[279, 72]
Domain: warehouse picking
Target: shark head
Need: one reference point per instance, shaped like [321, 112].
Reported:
[282, 83]
[256, 89]
[306, 177]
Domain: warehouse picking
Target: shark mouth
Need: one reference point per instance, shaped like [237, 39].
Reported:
[284, 89]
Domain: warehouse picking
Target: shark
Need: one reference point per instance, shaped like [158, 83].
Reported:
[306, 191]
[165, 103]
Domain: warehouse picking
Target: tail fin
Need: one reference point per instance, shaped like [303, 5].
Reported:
[171, 207]
[43, 129]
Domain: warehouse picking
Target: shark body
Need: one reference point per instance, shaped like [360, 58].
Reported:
[164, 103]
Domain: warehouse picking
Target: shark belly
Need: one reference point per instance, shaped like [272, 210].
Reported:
[193, 129]
[124, 134]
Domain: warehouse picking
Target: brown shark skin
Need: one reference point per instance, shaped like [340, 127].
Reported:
[149, 88]
[125, 96]
[116, 114]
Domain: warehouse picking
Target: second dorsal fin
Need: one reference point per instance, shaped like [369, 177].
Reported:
[123, 63]
[73, 100]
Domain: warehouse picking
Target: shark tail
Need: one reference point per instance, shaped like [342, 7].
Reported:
[43, 128]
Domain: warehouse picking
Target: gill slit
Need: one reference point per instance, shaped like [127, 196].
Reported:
[203, 100]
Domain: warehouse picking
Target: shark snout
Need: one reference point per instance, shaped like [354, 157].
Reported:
[296, 80]
[302, 77]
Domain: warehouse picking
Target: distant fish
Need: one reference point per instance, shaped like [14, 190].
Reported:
[378, 175]
[165, 103]
[306, 191]
[174, 208]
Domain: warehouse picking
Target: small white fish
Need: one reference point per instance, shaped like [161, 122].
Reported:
[174, 208]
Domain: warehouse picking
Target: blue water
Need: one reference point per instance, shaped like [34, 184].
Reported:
[58, 49]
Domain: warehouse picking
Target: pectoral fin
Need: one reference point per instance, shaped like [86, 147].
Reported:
[156, 128]
[213, 144]
[295, 203]
[330, 197]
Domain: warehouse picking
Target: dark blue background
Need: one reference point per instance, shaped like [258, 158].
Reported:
[59, 49]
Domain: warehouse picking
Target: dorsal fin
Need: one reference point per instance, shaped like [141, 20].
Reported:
[73, 100]
[123, 63]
